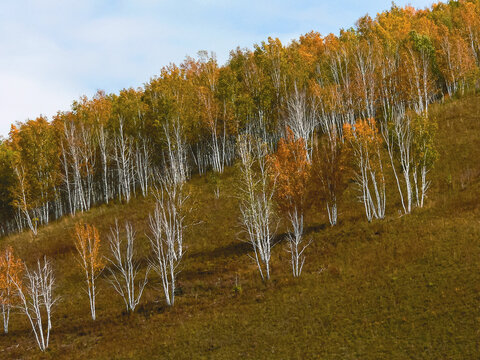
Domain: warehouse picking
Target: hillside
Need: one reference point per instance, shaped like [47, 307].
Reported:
[403, 287]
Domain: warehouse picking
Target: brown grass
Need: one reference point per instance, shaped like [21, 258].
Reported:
[405, 287]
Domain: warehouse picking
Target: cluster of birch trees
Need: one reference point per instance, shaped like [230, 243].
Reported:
[388, 69]
[33, 292]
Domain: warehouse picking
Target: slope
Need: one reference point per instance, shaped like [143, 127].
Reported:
[404, 287]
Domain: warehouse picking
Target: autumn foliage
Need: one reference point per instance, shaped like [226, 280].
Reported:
[363, 136]
[366, 144]
[107, 146]
[87, 243]
[329, 173]
[11, 270]
[290, 172]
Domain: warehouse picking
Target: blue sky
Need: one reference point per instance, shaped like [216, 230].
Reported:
[53, 51]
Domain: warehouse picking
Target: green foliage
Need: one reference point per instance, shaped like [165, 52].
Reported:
[422, 43]
[7, 180]
[425, 129]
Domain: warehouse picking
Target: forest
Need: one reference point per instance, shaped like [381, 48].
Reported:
[111, 146]
[307, 128]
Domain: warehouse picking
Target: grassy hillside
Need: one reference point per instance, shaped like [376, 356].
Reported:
[404, 287]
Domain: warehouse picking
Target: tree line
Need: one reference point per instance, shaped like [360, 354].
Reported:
[32, 292]
[111, 146]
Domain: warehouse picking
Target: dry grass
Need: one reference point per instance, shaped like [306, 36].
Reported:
[405, 287]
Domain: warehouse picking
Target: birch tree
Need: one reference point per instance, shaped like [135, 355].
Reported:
[87, 243]
[256, 201]
[328, 173]
[207, 74]
[167, 225]
[290, 168]
[72, 156]
[104, 147]
[11, 270]
[176, 164]
[123, 158]
[365, 142]
[101, 109]
[425, 155]
[37, 300]
[364, 55]
[143, 163]
[421, 55]
[409, 140]
[301, 119]
[397, 136]
[22, 199]
[124, 268]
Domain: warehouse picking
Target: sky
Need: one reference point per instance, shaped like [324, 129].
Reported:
[54, 51]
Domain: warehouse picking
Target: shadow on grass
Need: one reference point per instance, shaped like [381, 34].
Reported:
[239, 248]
